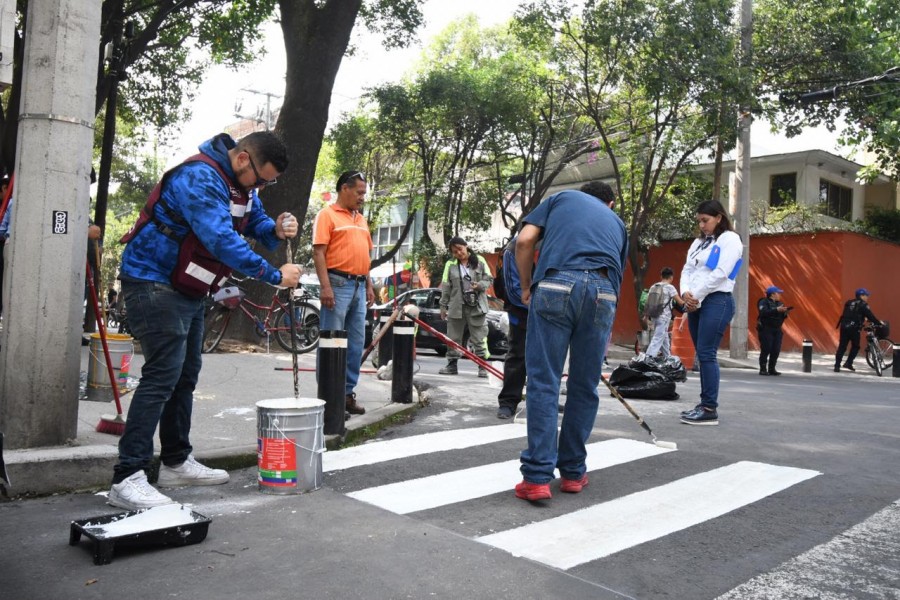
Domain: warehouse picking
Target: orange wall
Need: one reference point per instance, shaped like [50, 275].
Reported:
[818, 273]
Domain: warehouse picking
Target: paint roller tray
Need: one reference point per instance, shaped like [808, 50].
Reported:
[172, 524]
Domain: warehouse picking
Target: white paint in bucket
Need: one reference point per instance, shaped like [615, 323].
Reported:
[290, 443]
[120, 346]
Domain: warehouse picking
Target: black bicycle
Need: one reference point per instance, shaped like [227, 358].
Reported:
[879, 349]
[272, 319]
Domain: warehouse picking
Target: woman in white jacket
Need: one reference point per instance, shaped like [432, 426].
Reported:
[707, 279]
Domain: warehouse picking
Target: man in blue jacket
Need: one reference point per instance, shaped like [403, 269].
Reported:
[206, 201]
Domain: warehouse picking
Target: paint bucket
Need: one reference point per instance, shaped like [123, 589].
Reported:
[290, 443]
[121, 349]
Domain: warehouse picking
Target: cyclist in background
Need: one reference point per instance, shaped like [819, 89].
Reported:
[856, 312]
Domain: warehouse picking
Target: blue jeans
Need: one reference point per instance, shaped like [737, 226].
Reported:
[571, 313]
[169, 326]
[707, 326]
[348, 314]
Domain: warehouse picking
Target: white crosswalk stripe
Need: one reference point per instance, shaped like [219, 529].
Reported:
[601, 530]
[579, 537]
[466, 484]
[455, 439]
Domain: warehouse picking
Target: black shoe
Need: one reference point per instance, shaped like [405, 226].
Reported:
[690, 410]
[505, 412]
[849, 367]
[837, 368]
[346, 416]
[774, 373]
[763, 372]
[701, 416]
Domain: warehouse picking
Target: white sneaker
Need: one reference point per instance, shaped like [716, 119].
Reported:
[190, 472]
[136, 493]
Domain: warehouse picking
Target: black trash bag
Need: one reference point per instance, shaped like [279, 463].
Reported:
[646, 385]
[671, 367]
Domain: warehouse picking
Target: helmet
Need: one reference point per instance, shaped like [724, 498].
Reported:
[862, 292]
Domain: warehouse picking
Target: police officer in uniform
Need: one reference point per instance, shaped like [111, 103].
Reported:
[772, 313]
[856, 312]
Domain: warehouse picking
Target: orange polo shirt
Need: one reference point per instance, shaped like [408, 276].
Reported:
[347, 238]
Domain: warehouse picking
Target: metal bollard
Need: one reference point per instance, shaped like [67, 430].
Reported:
[385, 344]
[807, 356]
[402, 376]
[332, 376]
[895, 370]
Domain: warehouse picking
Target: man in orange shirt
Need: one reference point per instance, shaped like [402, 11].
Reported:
[341, 245]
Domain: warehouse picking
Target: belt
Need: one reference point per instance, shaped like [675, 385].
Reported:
[347, 275]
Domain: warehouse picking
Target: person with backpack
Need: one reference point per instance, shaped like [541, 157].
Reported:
[658, 310]
[707, 279]
[464, 285]
[772, 313]
[508, 287]
[856, 313]
[186, 240]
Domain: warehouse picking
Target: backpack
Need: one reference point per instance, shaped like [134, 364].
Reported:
[656, 301]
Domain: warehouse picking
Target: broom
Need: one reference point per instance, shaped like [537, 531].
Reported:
[113, 425]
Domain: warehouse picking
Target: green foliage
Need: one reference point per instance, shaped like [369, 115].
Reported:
[830, 44]
[883, 223]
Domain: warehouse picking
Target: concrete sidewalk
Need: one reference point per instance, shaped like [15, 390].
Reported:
[224, 428]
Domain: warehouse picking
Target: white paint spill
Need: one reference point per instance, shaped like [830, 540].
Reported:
[466, 484]
[597, 531]
[237, 411]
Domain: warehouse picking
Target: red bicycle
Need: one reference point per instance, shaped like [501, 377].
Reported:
[272, 319]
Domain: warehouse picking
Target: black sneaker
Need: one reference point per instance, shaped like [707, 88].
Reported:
[849, 368]
[690, 410]
[774, 373]
[763, 372]
[701, 416]
[837, 368]
[505, 412]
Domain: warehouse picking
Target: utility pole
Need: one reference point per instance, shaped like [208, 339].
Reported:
[740, 192]
[40, 346]
[267, 121]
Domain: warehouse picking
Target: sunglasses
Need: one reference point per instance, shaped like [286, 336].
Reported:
[260, 182]
[352, 176]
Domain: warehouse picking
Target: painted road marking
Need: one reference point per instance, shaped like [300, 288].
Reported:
[597, 531]
[862, 562]
[459, 486]
[456, 439]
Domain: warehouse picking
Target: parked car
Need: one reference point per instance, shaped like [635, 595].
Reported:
[428, 300]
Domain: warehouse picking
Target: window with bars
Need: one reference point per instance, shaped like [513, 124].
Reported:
[782, 189]
[836, 200]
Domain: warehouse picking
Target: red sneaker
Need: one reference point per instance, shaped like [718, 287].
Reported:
[533, 491]
[573, 486]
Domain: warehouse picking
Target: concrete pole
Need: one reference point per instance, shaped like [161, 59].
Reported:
[41, 341]
[740, 201]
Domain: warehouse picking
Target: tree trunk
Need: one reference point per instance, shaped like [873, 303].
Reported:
[316, 36]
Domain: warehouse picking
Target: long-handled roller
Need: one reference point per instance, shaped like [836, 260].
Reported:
[295, 368]
[381, 334]
[474, 358]
[640, 420]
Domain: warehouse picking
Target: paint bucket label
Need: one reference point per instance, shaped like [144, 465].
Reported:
[289, 445]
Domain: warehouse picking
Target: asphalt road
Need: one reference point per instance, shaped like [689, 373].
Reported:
[794, 495]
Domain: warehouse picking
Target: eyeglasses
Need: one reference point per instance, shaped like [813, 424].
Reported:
[353, 175]
[260, 182]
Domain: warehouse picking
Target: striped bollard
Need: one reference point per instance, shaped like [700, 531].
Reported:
[895, 370]
[332, 376]
[402, 374]
[386, 343]
[807, 356]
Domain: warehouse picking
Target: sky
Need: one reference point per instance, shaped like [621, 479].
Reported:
[223, 89]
